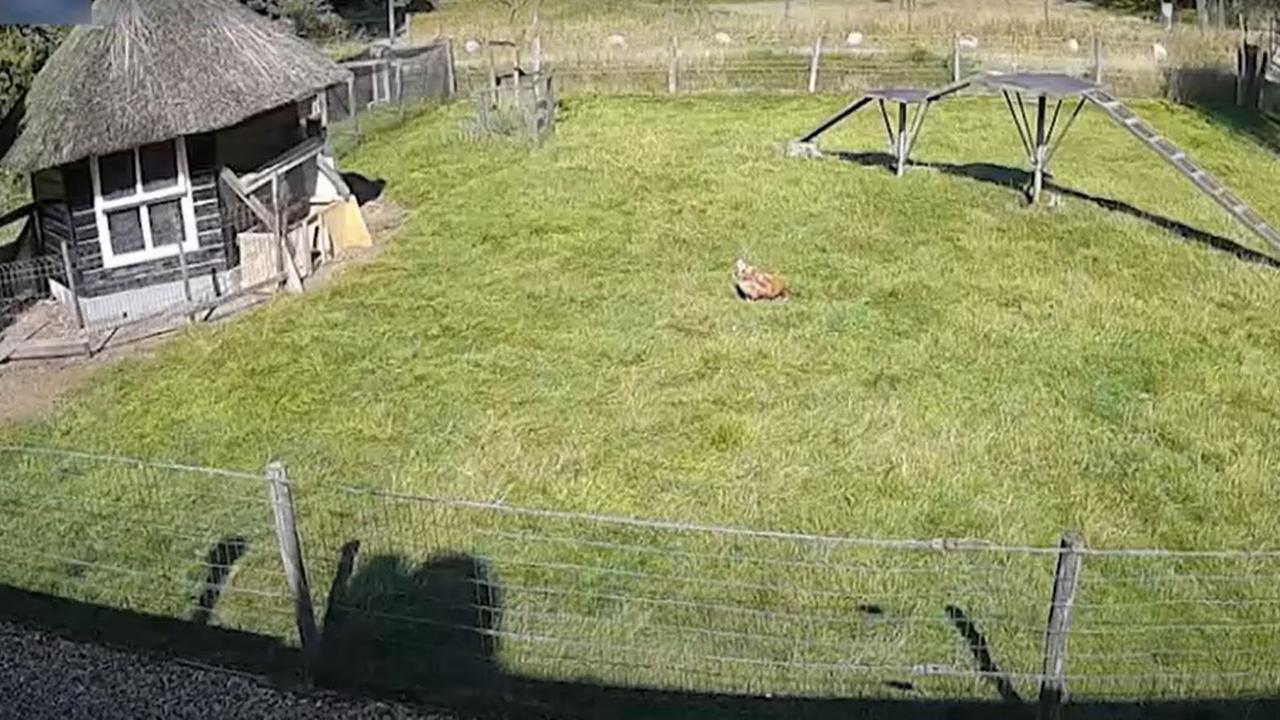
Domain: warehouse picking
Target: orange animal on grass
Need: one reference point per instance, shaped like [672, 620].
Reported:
[753, 284]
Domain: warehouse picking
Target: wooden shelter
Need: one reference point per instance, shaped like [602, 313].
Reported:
[129, 127]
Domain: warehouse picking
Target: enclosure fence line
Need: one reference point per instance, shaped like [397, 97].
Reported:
[412, 588]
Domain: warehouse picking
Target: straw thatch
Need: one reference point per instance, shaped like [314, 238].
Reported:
[151, 70]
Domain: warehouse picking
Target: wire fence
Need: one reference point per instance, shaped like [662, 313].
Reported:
[830, 62]
[414, 592]
[25, 282]
[161, 539]
[388, 85]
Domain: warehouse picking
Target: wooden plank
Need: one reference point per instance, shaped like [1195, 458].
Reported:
[1053, 690]
[49, 348]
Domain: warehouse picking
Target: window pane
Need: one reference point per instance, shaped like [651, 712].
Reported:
[159, 166]
[125, 227]
[166, 222]
[118, 176]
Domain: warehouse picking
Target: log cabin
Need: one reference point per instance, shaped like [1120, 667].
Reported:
[127, 129]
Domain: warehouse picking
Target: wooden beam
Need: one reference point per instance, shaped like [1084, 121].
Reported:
[254, 204]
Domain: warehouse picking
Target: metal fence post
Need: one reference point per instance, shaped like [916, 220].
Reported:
[295, 571]
[813, 65]
[1053, 690]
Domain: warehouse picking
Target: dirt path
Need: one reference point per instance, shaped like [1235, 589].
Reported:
[32, 388]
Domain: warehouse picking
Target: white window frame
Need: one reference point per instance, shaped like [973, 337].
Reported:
[140, 200]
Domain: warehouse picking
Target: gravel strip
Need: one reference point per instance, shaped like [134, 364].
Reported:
[45, 676]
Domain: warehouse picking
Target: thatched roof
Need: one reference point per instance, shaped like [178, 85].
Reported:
[150, 70]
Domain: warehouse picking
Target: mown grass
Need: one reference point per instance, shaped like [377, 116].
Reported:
[555, 328]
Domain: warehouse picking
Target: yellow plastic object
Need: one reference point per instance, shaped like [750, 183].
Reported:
[346, 227]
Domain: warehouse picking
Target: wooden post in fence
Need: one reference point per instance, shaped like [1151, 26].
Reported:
[493, 67]
[186, 277]
[73, 287]
[351, 106]
[955, 58]
[1066, 577]
[295, 572]
[451, 70]
[673, 67]
[1097, 60]
[400, 88]
[813, 65]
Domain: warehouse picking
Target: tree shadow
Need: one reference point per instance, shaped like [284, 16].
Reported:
[1018, 179]
[218, 563]
[404, 628]
[981, 652]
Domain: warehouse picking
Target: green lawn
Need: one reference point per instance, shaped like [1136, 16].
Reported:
[555, 328]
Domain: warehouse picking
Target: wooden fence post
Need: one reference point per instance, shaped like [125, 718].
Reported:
[72, 285]
[295, 572]
[186, 276]
[813, 65]
[955, 58]
[351, 106]
[1097, 60]
[673, 67]
[493, 66]
[1053, 690]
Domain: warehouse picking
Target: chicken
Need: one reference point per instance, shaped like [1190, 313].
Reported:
[753, 284]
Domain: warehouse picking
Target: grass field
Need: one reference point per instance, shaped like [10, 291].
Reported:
[620, 46]
[555, 328]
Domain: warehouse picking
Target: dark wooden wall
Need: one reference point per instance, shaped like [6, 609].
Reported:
[54, 217]
[256, 141]
[65, 197]
[94, 279]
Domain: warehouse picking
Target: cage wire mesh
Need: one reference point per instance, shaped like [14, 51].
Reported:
[169, 540]
[25, 282]
[521, 106]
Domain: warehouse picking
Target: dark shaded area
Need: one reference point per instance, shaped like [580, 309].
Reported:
[364, 189]
[1211, 93]
[1018, 179]
[977, 643]
[222, 556]
[424, 634]
[413, 629]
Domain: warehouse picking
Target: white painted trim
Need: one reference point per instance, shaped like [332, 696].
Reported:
[140, 200]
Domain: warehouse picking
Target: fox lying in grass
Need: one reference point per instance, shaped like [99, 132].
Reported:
[753, 284]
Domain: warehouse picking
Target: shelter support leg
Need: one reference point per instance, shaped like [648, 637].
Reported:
[1037, 164]
[900, 140]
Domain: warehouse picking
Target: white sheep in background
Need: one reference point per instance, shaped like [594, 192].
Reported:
[722, 38]
[617, 40]
[1159, 52]
[968, 42]
[1073, 45]
[853, 39]
[471, 46]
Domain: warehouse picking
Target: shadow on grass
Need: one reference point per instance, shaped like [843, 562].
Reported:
[427, 634]
[1018, 179]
